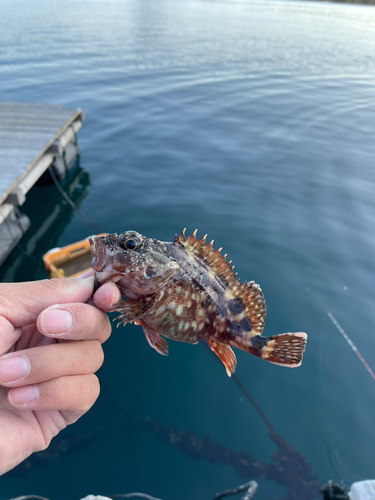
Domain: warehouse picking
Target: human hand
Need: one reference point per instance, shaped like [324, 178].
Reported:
[50, 347]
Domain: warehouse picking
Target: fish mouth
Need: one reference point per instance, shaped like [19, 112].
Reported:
[102, 263]
[99, 253]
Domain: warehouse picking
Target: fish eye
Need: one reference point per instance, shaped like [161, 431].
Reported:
[130, 243]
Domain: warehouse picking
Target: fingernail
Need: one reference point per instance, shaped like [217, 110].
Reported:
[21, 396]
[112, 293]
[56, 321]
[13, 368]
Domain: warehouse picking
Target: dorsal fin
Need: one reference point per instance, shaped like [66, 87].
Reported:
[253, 303]
[213, 259]
[180, 239]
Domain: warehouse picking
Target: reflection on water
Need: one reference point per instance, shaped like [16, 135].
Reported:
[49, 219]
[61, 446]
[291, 469]
[252, 121]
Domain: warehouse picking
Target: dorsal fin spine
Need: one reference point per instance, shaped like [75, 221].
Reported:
[192, 239]
[206, 250]
[200, 244]
[221, 268]
[212, 258]
[217, 263]
[181, 239]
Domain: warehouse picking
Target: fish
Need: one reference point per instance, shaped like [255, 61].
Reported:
[186, 291]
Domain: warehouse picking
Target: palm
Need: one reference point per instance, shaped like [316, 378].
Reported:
[23, 432]
[50, 349]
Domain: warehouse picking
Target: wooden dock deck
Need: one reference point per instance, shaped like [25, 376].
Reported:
[32, 137]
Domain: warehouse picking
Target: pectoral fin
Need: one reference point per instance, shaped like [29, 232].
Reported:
[156, 342]
[226, 355]
[134, 311]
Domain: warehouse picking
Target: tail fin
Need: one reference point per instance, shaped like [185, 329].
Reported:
[285, 350]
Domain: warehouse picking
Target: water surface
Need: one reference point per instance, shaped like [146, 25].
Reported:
[252, 121]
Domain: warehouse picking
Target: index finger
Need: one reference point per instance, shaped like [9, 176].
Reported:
[21, 303]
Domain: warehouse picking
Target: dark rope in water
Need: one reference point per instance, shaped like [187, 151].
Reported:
[244, 391]
[70, 202]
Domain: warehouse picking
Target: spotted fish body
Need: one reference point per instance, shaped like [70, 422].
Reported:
[186, 291]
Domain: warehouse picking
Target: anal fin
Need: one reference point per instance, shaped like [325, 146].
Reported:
[156, 342]
[226, 355]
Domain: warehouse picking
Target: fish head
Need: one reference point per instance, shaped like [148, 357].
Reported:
[139, 265]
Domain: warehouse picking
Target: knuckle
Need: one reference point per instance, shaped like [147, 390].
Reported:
[91, 389]
[96, 387]
[54, 285]
[107, 330]
[95, 354]
[99, 355]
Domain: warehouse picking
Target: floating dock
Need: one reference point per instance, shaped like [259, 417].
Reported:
[33, 137]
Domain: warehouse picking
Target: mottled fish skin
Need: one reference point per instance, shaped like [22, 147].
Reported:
[138, 272]
[186, 291]
[196, 304]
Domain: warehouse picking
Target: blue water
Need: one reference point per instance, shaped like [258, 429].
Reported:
[254, 122]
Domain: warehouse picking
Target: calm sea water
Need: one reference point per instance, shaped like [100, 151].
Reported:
[254, 122]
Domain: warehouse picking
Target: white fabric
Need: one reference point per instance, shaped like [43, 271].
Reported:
[95, 497]
[363, 490]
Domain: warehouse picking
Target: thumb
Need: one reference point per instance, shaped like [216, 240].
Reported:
[21, 303]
